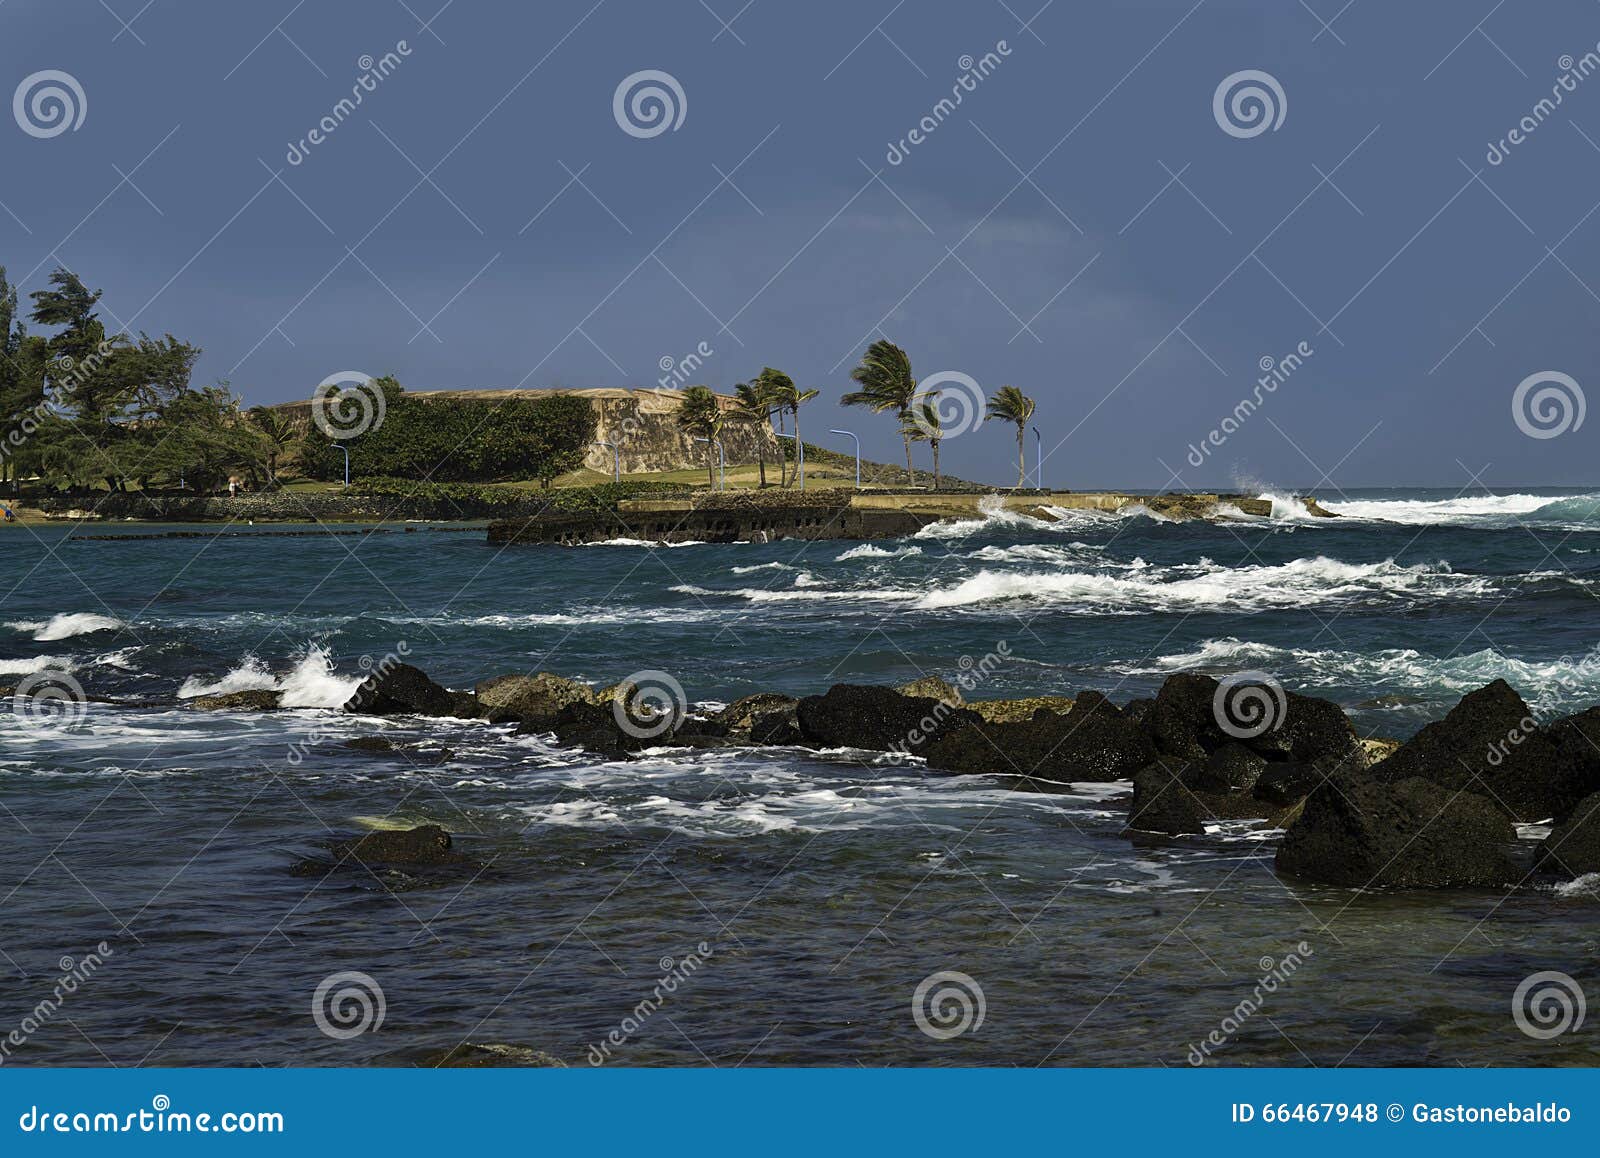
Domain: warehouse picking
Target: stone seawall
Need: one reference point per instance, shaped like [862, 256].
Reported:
[679, 523]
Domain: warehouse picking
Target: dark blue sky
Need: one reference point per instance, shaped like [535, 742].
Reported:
[1081, 226]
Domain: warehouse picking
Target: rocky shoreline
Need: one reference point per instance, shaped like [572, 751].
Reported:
[1440, 810]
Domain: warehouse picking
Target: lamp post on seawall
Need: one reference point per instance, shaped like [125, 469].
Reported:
[616, 459]
[1038, 458]
[800, 458]
[346, 450]
[850, 435]
[722, 463]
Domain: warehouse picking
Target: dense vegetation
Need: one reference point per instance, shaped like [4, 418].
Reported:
[81, 405]
[459, 440]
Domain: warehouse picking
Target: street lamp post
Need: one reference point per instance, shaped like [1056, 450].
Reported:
[1038, 458]
[857, 441]
[616, 457]
[346, 450]
[722, 463]
[800, 457]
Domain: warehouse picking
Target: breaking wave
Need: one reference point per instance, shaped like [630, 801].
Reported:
[67, 625]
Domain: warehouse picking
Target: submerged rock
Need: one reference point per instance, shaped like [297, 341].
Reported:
[405, 690]
[1573, 846]
[876, 718]
[425, 846]
[260, 700]
[491, 1055]
[1411, 833]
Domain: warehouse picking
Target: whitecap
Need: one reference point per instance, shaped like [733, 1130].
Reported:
[68, 624]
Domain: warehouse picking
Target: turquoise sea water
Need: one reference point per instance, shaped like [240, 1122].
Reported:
[824, 887]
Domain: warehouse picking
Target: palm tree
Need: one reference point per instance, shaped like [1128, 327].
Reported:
[755, 408]
[280, 434]
[923, 425]
[700, 415]
[1011, 405]
[786, 397]
[886, 385]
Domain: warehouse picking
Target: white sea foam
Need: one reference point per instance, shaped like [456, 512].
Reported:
[67, 625]
[1296, 584]
[311, 683]
[762, 567]
[36, 663]
[624, 542]
[1588, 885]
[1571, 680]
[1482, 508]
[872, 551]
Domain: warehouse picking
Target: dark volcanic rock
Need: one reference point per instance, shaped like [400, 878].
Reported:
[1411, 833]
[597, 729]
[422, 847]
[490, 1055]
[1230, 768]
[764, 718]
[370, 744]
[1285, 783]
[538, 697]
[1193, 716]
[1181, 720]
[1573, 846]
[880, 719]
[402, 690]
[251, 701]
[1577, 742]
[1490, 744]
[1162, 802]
[1091, 743]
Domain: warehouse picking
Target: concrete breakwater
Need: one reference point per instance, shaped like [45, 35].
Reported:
[765, 516]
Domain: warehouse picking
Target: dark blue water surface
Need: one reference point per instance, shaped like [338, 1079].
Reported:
[824, 887]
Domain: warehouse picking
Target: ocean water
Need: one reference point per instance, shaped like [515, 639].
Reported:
[814, 892]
